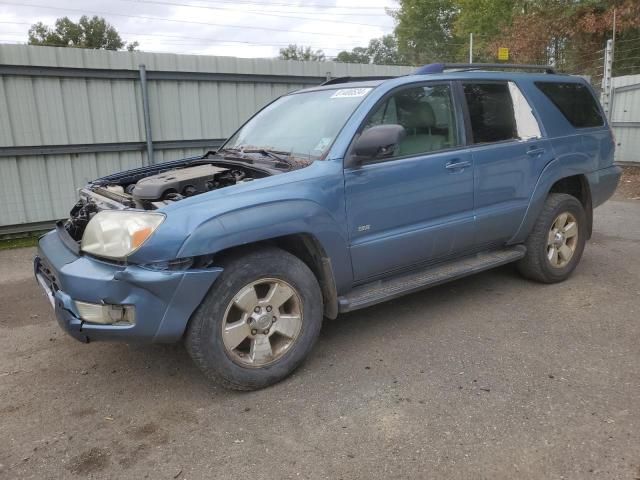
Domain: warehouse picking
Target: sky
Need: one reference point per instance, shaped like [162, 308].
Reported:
[241, 28]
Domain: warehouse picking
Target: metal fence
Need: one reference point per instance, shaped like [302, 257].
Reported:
[624, 115]
[68, 116]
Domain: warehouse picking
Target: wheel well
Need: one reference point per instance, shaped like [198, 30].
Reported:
[578, 187]
[308, 249]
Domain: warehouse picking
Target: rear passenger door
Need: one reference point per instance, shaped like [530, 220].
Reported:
[509, 153]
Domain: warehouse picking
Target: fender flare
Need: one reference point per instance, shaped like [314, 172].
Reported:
[555, 170]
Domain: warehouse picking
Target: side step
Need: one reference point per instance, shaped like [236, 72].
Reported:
[387, 289]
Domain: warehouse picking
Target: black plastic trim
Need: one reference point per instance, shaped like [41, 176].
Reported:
[68, 242]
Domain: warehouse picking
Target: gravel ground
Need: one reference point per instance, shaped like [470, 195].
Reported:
[488, 377]
[629, 187]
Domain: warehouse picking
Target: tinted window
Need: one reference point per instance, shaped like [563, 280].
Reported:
[427, 115]
[491, 112]
[575, 101]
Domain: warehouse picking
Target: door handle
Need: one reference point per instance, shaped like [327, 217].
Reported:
[457, 165]
[534, 152]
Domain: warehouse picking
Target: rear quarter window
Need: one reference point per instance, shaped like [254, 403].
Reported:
[575, 101]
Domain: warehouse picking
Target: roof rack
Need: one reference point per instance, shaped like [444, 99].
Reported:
[441, 67]
[338, 80]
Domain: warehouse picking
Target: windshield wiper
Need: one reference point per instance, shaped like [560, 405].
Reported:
[267, 153]
[236, 154]
[279, 157]
[274, 154]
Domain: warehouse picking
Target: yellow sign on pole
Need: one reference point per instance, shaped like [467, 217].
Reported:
[503, 53]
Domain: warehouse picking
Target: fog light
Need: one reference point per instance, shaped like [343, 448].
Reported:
[106, 314]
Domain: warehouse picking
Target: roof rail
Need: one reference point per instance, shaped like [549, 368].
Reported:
[441, 67]
[337, 80]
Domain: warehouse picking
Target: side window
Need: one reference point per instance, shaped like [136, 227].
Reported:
[575, 102]
[491, 111]
[427, 115]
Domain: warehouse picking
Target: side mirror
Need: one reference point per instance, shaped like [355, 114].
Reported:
[378, 142]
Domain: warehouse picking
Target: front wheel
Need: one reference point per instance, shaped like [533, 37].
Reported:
[259, 320]
[556, 243]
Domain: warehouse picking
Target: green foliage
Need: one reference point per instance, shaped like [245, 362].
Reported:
[94, 33]
[570, 34]
[381, 51]
[485, 19]
[425, 30]
[20, 241]
[295, 52]
[357, 55]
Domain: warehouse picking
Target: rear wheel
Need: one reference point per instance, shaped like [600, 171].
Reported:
[258, 322]
[557, 240]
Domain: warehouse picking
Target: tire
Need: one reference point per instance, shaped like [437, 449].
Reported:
[544, 260]
[248, 366]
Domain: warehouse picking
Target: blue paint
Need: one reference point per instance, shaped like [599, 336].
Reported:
[371, 220]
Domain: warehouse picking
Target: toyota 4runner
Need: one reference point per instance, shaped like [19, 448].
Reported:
[328, 200]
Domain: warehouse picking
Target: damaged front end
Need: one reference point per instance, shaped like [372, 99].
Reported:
[151, 188]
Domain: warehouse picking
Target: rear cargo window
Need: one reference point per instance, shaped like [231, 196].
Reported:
[575, 102]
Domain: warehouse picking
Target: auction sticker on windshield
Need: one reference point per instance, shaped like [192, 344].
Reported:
[351, 92]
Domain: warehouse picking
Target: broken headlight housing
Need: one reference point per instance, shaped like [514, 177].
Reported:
[116, 234]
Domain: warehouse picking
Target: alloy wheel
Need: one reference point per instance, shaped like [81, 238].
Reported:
[262, 322]
[562, 240]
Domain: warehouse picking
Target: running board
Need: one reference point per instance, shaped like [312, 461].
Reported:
[387, 289]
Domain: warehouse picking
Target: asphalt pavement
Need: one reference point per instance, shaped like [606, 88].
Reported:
[492, 376]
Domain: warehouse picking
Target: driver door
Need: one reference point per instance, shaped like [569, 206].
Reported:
[416, 206]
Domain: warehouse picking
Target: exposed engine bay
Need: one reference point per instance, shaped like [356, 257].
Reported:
[155, 191]
[154, 187]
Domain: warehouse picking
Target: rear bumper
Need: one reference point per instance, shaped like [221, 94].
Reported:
[603, 184]
[164, 301]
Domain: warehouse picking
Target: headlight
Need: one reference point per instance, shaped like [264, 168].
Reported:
[116, 234]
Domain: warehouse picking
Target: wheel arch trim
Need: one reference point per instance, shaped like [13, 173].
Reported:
[555, 171]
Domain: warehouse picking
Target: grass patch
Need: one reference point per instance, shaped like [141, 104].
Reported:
[30, 240]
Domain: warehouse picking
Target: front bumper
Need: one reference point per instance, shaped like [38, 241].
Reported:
[164, 300]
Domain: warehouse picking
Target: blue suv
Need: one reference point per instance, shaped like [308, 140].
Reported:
[328, 200]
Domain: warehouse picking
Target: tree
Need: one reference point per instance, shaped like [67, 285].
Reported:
[594, 26]
[93, 33]
[384, 51]
[485, 19]
[357, 55]
[424, 30]
[572, 34]
[381, 51]
[295, 52]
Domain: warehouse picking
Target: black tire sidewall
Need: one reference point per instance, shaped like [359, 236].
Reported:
[204, 337]
[564, 203]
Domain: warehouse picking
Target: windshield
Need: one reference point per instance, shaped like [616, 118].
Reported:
[302, 124]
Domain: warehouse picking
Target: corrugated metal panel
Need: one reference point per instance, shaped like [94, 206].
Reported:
[625, 118]
[47, 110]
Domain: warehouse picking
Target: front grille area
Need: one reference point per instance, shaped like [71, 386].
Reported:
[45, 271]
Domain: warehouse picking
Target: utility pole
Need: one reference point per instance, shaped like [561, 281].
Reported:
[606, 78]
[613, 36]
[471, 48]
